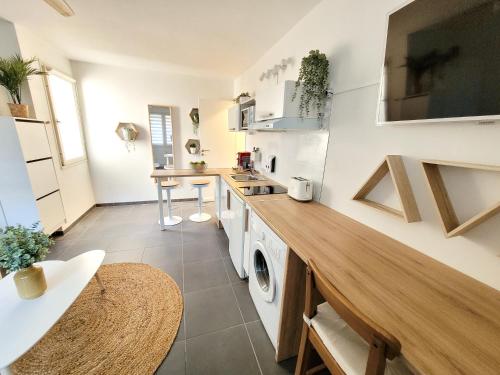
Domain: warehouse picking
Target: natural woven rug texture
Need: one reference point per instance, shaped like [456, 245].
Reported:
[128, 329]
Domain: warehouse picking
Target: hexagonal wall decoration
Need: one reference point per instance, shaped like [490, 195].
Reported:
[193, 146]
[128, 133]
[195, 116]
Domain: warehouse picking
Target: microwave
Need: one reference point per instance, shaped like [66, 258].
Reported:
[240, 116]
[247, 117]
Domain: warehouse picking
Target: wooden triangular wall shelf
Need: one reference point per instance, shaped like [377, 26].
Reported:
[392, 164]
[449, 220]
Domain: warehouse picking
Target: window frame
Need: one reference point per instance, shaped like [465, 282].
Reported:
[62, 159]
[170, 108]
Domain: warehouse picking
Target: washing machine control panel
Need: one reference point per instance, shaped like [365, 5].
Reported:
[274, 245]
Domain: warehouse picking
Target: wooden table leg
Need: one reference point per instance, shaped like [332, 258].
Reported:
[99, 282]
[292, 307]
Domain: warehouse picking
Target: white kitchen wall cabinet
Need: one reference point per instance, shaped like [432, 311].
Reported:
[234, 118]
[276, 102]
[29, 191]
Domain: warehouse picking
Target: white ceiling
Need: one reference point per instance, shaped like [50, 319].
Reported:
[221, 37]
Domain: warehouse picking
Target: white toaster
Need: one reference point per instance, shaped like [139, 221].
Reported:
[300, 189]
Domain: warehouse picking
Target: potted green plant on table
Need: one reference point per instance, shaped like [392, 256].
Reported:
[198, 166]
[14, 71]
[20, 248]
[313, 81]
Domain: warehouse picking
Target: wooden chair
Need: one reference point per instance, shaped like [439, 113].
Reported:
[346, 340]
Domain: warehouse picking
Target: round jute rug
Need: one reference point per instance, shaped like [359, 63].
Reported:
[128, 329]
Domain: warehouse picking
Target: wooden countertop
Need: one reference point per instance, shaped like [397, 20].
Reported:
[225, 174]
[167, 173]
[446, 321]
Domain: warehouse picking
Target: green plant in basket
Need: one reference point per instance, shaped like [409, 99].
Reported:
[313, 80]
[20, 247]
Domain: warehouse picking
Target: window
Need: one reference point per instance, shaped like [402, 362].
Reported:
[66, 114]
[162, 137]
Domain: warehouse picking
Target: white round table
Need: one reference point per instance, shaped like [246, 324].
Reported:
[24, 322]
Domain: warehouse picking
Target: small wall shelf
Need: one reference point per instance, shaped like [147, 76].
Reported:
[392, 164]
[195, 142]
[451, 225]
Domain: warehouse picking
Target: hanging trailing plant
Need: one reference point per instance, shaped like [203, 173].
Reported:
[313, 80]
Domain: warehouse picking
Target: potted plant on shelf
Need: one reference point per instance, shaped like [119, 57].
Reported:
[192, 148]
[14, 71]
[20, 248]
[198, 166]
[313, 80]
[243, 97]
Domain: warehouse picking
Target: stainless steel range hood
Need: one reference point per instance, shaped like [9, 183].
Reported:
[286, 123]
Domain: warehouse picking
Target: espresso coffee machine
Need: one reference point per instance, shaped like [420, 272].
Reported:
[243, 160]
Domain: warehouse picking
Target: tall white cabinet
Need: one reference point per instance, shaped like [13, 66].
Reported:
[29, 190]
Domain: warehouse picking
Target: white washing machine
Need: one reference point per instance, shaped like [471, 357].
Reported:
[265, 276]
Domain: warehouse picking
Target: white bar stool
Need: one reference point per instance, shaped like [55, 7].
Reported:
[200, 216]
[168, 186]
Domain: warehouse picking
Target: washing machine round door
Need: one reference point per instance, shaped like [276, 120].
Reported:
[263, 272]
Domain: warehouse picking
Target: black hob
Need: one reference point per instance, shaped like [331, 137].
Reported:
[263, 190]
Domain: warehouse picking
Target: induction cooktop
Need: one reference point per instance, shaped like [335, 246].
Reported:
[263, 190]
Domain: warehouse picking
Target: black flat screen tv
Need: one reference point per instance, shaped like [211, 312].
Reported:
[442, 62]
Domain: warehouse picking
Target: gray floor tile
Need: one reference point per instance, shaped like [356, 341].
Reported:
[173, 269]
[223, 352]
[175, 361]
[245, 302]
[57, 250]
[90, 243]
[181, 333]
[162, 254]
[204, 227]
[197, 251]
[168, 237]
[198, 236]
[126, 256]
[72, 251]
[266, 352]
[210, 310]
[203, 275]
[231, 271]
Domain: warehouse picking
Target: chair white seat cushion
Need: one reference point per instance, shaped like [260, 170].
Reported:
[348, 349]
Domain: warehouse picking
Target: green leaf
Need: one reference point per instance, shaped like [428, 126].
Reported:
[20, 247]
[13, 72]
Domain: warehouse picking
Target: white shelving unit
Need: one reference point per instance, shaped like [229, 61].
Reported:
[29, 191]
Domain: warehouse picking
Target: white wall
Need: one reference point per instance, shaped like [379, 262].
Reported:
[351, 33]
[74, 180]
[111, 95]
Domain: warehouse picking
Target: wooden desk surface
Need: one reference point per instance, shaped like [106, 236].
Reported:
[447, 322]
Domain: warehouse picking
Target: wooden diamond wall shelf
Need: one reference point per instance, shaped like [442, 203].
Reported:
[451, 225]
[392, 164]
